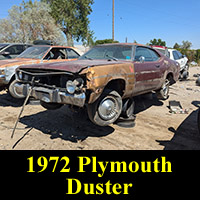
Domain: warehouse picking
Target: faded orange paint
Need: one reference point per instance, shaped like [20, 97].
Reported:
[98, 77]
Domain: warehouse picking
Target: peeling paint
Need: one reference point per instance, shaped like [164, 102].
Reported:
[99, 76]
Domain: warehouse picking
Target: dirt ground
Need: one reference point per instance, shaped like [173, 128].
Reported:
[156, 128]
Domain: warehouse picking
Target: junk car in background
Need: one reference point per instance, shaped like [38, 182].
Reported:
[33, 55]
[104, 80]
[9, 51]
[182, 60]
[162, 49]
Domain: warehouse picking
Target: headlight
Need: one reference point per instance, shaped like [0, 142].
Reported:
[71, 87]
[75, 85]
[20, 75]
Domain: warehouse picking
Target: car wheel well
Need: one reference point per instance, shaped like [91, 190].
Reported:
[12, 79]
[118, 85]
[170, 77]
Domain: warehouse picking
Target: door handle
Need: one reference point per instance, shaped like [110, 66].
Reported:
[157, 66]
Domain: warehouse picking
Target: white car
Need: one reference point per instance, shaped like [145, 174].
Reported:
[182, 60]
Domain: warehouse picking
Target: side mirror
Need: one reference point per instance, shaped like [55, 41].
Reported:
[5, 53]
[142, 59]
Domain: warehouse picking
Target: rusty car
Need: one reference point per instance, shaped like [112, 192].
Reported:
[104, 80]
[33, 55]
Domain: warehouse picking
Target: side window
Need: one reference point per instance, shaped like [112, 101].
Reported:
[72, 54]
[179, 54]
[155, 56]
[141, 51]
[15, 49]
[176, 57]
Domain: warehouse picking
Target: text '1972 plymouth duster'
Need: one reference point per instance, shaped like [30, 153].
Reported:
[105, 80]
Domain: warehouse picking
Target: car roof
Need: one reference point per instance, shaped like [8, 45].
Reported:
[122, 44]
[172, 50]
[159, 47]
[53, 46]
[15, 44]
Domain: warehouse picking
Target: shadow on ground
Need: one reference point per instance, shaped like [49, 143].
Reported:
[65, 124]
[7, 100]
[187, 136]
[144, 102]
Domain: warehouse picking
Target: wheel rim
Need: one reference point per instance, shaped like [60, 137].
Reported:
[166, 88]
[108, 109]
[17, 92]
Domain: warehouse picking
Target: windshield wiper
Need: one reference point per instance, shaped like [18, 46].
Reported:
[113, 58]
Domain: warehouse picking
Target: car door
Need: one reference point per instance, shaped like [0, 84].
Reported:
[148, 64]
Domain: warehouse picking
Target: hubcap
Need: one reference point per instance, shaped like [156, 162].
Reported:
[108, 109]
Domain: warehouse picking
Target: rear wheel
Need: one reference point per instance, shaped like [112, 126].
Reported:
[163, 93]
[107, 109]
[50, 106]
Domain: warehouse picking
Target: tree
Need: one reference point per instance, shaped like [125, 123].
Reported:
[186, 45]
[72, 16]
[106, 41]
[28, 22]
[176, 46]
[158, 42]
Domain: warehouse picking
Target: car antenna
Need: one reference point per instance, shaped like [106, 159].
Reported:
[22, 109]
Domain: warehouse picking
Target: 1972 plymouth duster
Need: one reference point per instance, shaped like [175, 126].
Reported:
[105, 80]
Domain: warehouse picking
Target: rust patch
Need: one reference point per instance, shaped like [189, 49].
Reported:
[98, 77]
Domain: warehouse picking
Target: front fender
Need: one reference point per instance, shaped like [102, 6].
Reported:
[98, 77]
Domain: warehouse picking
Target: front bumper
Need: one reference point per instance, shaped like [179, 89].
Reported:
[51, 95]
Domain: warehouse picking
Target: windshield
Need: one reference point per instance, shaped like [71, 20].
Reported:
[3, 46]
[34, 52]
[114, 52]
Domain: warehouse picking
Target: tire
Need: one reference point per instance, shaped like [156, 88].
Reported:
[128, 108]
[185, 75]
[50, 106]
[13, 91]
[163, 93]
[107, 109]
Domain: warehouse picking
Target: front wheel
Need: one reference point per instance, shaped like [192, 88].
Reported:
[107, 109]
[13, 90]
[163, 93]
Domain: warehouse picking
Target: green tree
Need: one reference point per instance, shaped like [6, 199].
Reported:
[176, 46]
[28, 22]
[106, 41]
[158, 42]
[72, 16]
[186, 45]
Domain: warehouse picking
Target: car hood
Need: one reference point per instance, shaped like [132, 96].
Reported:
[16, 61]
[71, 66]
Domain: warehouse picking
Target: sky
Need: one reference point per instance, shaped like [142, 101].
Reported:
[141, 20]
